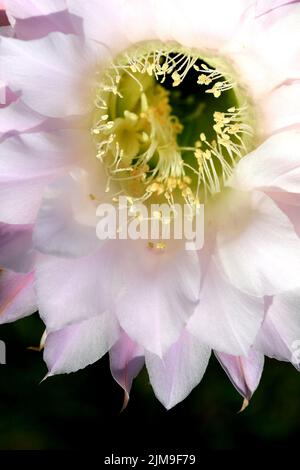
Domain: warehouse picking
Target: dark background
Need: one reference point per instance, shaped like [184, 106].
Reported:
[82, 410]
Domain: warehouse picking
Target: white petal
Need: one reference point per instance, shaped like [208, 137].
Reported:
[53, 73]
[258, 247]
[263, 7]
[273, 165]
[226, 319]
[280, 334]
[16, 251]
[281, 108]
[126, 360]
[18, 117]
[267, 54]
[120, 23]
[21, 9]
[175, 375]
[159, 293]
[57, 230]
[76, 346]
[243, 371]
[71, 290]
[17, 296]
[28, 164]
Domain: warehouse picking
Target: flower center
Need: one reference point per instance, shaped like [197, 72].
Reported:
[170, 125]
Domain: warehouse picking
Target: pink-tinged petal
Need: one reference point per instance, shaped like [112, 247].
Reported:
[76, 346]
[40, 26]
[71, 290]
[152, 293]
[175, 375]
[28, 8]
[28, 164]
[18, 117]
[20, 199]
[226, 318]
[16, 252]
[273, 165]
[7, 96]
[32, 155]
[255, 49]
[54, 73]
[279, 336]
[289, 203]
[17, 296]
[266, 6]
[281, 108]
[243, 371]
[126, 361]
[58, 230]
[258, 248]
[159, 291]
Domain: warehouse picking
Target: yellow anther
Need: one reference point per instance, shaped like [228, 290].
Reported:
[160, 246]
[187, 192]
[204, 80]
[234, 128]
[187, 179]
[131, 116]
[176, 79]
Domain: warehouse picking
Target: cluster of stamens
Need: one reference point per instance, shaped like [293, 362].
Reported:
[138, 140]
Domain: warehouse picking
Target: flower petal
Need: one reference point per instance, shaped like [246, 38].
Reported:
[251, 249]
[243, 371]
[40, 26]
[16, 252]
[159, 293]
[175, 375]
[28, 164]
[280, 333]
[17, 296]
[18, 117]
[289, 204]
[273, 165]
[126, 361]
[21, 9]
[71, 290]
[281, 108]
[57, 231]
[61, 63]
[226, 319]
[265, 6]
[76, 346]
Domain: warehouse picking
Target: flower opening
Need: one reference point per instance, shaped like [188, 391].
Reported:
[170, 125]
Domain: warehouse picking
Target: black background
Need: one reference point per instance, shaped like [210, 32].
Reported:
[82, 410]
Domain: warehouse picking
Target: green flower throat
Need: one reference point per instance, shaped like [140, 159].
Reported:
[169, 125]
